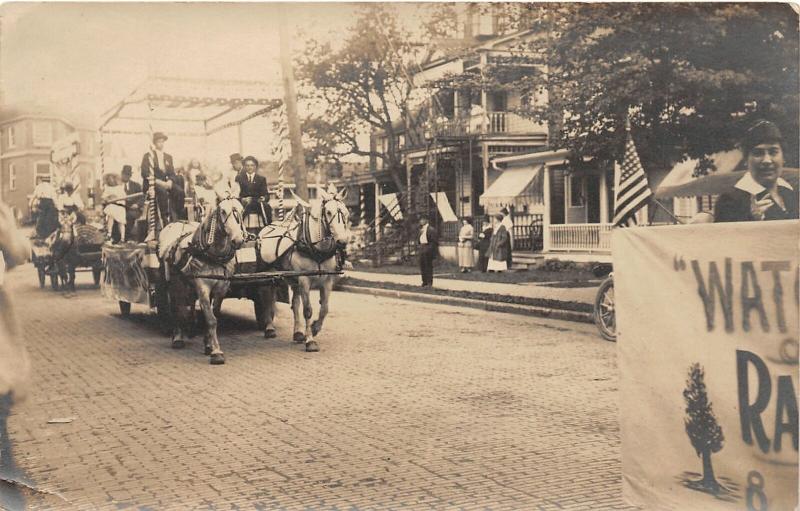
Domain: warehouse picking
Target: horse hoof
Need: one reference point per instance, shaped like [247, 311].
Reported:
[217, 359]
[312, 346]
[299, 337]
[207, 351]
[315, 328]
[270, 334]
[178, 344]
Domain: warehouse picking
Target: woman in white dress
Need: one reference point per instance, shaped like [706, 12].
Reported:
[466, 254]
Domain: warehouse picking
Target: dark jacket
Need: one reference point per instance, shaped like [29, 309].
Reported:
[149, 160]
[734, 206]
[133, 207]
[170, 203]
[433, 241]
[500, 244]
[485, 239]
[255, 190]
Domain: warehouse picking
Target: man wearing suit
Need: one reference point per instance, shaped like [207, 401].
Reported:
[133, 207]
[169, 186]
[254, 195]
[428, 250]
[761, 194]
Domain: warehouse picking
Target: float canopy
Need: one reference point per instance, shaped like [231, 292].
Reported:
[189, 107]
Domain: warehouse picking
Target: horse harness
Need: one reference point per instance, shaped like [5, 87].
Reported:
[202, 244]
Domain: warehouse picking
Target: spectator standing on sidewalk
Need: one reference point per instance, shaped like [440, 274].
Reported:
[484, 240]
[499, 247]
[508, 223]
[428, 250]
[466, 256]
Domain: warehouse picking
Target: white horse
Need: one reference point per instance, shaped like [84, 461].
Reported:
[191, 251]
[309, 241]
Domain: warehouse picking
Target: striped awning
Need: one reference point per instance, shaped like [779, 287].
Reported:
[513, 187]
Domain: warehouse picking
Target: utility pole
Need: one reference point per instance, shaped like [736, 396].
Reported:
[290, 100]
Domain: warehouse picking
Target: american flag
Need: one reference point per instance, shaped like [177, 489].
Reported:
[631, 186]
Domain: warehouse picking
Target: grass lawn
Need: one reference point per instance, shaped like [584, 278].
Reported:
[490, 297]
[446, 270]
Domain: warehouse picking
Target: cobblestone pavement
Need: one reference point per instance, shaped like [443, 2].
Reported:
[407, 406]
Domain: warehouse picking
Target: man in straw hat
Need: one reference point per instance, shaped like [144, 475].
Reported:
[169, 186]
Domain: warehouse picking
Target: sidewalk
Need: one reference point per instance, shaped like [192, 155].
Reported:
[530, 298]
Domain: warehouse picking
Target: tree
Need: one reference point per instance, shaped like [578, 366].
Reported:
[692, 77]
[704, 432]
[367, 85]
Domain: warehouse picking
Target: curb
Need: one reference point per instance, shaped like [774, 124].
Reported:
[527, 310]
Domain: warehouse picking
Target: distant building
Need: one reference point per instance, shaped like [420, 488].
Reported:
[27, 136]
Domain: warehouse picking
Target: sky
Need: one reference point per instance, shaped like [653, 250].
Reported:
[82, 58]
[87, 56]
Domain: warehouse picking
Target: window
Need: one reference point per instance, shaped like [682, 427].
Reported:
[12, 138]
[499, 101]
[41, 170]
[12, 177]
[42, 133]
[576, 197]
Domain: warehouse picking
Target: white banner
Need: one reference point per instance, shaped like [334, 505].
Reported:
[391, 203]
[707, 321]
[443, 205]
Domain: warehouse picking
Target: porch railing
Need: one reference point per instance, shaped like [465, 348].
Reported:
[580, 237]
[491, 123]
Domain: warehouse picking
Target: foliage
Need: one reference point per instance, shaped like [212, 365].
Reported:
[366, 84]
[704, 432]
[691, 76]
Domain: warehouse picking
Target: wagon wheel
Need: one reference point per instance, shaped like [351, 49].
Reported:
[124, 308]
[604, 314]
[42, 276]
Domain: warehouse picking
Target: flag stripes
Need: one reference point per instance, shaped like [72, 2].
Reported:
[632, 190]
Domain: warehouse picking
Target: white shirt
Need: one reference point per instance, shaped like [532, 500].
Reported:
[65, 200]
[751, 186]
[423, 235]
[160, 159]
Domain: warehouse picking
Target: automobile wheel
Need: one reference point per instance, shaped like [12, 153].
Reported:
[604, 314]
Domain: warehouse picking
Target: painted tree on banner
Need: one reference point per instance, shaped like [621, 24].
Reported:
[702, 427]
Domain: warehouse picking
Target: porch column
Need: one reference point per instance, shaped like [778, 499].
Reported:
[409, 166]
[485, 159]
[377, 211]
[546, 215]
[603, 198]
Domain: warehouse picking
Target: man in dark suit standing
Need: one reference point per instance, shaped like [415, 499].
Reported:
[169, 186]
[428, 250]
[254, 195]
[133, 207]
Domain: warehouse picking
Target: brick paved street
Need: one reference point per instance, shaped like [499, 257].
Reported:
[407, 406]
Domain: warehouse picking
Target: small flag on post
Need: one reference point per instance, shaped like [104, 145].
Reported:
[631, 186]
